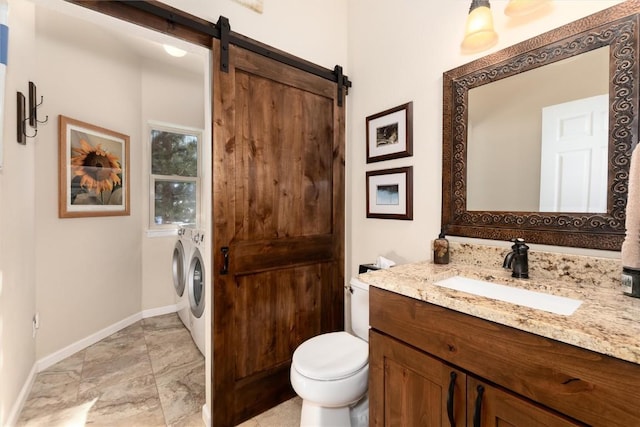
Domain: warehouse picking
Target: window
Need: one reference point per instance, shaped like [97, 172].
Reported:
[175, 176]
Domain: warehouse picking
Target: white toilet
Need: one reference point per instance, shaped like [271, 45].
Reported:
[330, 372]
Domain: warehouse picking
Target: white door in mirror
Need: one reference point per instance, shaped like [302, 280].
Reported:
[573, 165]
[532, 299]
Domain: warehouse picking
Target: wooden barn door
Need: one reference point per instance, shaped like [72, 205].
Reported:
[278, 213]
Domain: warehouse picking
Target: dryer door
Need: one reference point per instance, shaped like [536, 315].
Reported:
[196, 283]
[179, 268]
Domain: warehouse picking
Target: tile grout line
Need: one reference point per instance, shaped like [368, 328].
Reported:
[84, 359]
[153, 372]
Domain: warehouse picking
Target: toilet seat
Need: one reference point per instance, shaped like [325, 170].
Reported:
[331, 356]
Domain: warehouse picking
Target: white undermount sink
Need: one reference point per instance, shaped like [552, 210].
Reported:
[531, 299]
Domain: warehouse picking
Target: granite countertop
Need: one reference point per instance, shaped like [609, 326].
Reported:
[606, 322]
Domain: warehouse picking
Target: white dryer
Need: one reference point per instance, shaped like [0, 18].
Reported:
[197, 281]
[180, 266]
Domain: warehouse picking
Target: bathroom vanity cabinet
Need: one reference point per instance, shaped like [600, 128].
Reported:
[428, 363]
[420, 390]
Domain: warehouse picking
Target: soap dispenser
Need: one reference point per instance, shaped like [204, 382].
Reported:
[441, 249]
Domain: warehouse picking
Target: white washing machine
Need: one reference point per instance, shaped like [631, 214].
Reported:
[180, 266]
[197, 281]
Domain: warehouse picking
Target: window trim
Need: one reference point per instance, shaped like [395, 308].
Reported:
[152, 125]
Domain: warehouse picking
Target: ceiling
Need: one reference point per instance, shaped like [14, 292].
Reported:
[69, 20]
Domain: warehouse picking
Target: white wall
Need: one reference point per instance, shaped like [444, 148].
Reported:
[397, 53]
[17, 207]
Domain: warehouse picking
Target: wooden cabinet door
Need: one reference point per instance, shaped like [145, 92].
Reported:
[489, 406]
[410, 388]
[278, 217]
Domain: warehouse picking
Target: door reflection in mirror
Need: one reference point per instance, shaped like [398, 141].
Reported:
[505, 131]
[573, 166]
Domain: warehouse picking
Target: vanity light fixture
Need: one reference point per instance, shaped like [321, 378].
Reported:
[479, 33]
[523, 7]
[174, 51]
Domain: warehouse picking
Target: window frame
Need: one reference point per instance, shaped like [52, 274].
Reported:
[153, 178]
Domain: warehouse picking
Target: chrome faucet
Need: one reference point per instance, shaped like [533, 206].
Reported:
[518, 259]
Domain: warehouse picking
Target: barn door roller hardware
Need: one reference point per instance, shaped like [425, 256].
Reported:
[225, 29]
[222, 31]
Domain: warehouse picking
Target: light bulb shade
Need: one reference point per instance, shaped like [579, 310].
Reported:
[523, 7]
[174, 51]
[479, 33]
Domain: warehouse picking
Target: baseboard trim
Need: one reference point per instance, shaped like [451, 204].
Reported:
[159, 311]
[12, 420]
[77, 346]
[206, 415]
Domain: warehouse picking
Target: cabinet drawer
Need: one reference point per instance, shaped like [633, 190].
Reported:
[588, 386]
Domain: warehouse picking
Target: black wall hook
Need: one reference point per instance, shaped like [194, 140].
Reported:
[33, 107]
[22, 121]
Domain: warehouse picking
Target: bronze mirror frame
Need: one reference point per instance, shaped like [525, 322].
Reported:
[616, 27]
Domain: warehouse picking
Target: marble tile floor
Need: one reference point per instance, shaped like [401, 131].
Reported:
[146, 375]
[287, 414]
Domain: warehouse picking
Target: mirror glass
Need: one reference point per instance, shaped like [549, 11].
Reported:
[505, 139]
[519, 160]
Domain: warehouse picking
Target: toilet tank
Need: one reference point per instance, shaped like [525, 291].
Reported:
[360, 308]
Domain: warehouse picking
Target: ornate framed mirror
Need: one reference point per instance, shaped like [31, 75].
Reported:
[515, 163]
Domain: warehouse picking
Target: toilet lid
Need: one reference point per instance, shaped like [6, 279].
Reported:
[331, 356]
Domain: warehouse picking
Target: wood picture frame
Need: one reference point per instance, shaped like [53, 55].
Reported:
[390, 134]
[93, 175]
[390, 193]
[255, 5]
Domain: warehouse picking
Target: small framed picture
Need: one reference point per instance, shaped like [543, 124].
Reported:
[390, 134]
[93, 170]
[390, 193]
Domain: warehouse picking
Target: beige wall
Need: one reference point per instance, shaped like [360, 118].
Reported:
[89, 269]
[17, 231]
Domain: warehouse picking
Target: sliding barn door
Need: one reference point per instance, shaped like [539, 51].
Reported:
[278, 213]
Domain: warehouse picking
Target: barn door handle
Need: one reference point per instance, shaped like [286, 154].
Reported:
[452, 386]
[477, 416]
[225, 263]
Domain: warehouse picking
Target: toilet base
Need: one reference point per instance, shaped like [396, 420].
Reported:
[313, 415]
[320, 416]
[360, 413]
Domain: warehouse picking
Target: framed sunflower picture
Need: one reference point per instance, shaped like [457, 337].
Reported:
[93, 170]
